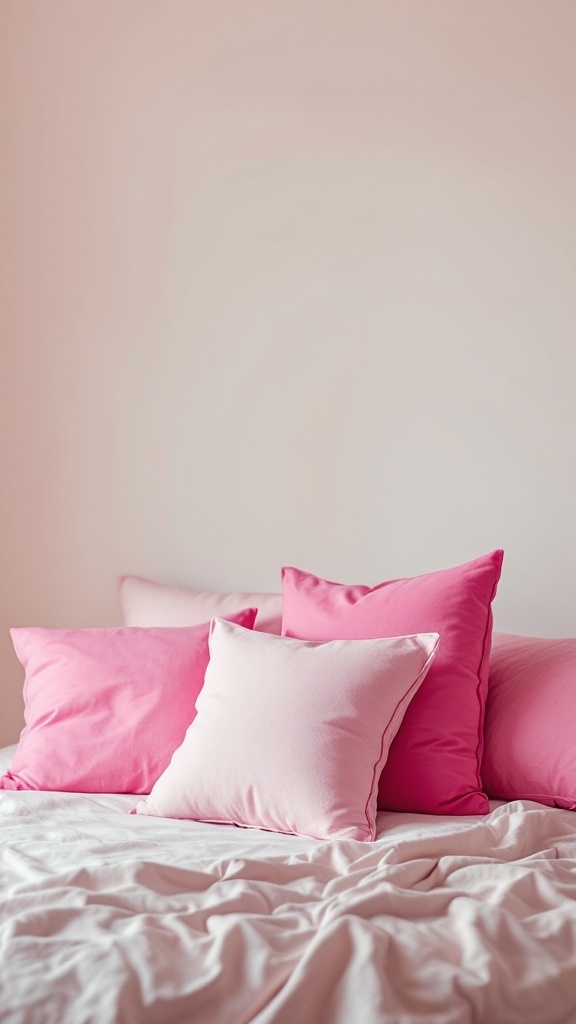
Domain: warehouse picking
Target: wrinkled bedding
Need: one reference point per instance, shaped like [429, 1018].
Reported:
[108, 917]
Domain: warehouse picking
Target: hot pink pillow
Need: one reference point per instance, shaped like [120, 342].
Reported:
[105, 709]
[434, 763]
[530, 747]
[146, 603]
[291, 735]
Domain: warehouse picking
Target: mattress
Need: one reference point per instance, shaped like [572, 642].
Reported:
[110, 917]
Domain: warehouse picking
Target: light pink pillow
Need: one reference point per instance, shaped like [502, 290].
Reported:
[530, 731]
[434, 763]
[146, 603]
[291, 735]
[105, 709]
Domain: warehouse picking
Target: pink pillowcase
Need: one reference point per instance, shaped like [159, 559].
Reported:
[434, 763]
[291, 735]
[530, 745]
[146, 603]
[105, 709]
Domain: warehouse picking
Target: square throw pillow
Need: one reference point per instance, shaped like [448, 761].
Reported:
[291, 735]
[434, 763]
[146, 603]
[105, 709]
[529, 745]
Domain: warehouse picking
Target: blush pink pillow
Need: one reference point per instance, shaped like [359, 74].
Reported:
[291, 735]
[434, 763]
[530, 745]
[105, 709]
[146, 603]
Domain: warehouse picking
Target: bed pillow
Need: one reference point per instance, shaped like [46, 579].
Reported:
[146, 603]
[530, 746]
[291, 735]
[434, 763]
[105, 709]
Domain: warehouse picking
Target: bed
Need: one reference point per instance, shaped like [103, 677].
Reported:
[109, 917]
[122, 900]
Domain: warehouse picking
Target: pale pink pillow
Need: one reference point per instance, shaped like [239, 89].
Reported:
[291, 735]
[146, 603]
[434, 763]
[105, 709]
[530, 731]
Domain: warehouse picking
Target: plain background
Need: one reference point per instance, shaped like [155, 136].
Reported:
[284, 283]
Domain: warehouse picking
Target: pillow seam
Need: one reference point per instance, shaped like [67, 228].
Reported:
[376, 779]
[482, 703]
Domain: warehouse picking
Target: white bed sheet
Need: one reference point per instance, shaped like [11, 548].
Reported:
[107, 917]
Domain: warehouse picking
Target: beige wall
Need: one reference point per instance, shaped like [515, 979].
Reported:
[285, 282]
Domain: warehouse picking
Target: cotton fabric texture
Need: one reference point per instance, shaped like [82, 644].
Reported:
[434, 763]
[105, 709]
[291, 735]
[147, 603]
[530, 733]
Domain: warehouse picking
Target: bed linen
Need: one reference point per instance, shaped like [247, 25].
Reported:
[111, 917]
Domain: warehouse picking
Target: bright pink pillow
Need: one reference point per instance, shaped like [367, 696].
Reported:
[291, 735]
[105, 709]
[434, 763]
[147, 603]
[530, 745]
